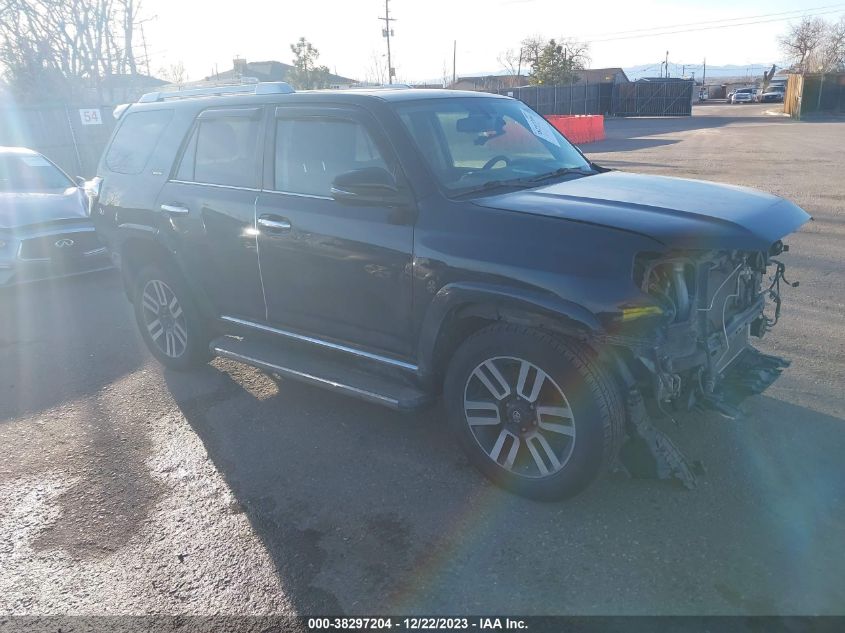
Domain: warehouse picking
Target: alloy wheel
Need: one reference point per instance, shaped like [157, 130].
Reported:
[519, 416]
[164, 318]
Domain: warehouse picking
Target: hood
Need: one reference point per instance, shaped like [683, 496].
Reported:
[677, 212]
[23, 209]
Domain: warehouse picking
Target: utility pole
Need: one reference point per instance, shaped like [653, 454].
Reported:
[704, 75]
[387, 32]
[454, 62]
[146, 52]
[667, 64]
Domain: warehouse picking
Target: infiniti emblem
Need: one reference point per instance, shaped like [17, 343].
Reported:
[64, 243]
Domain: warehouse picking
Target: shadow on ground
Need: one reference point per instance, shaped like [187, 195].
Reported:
[366, 511]
[63, 339]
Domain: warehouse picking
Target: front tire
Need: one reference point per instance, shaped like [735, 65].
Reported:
[169, 321]
[536, 413]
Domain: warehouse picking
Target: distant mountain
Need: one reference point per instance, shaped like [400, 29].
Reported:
[713, 72]
[733, 71]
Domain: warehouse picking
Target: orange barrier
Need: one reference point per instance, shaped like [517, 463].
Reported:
[580, 128]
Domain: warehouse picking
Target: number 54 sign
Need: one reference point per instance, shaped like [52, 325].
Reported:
[90, 116]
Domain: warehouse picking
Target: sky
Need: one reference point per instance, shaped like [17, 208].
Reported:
[205, 35]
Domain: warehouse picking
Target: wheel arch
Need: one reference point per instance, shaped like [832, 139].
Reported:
[137, 251]
[458, 310]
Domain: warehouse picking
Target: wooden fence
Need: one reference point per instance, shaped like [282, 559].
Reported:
[810, 94]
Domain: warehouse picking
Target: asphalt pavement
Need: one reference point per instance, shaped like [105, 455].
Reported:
[126, 488]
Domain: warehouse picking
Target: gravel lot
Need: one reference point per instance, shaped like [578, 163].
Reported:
[127, 489]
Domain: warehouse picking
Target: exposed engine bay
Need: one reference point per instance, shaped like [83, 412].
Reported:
[712, 303]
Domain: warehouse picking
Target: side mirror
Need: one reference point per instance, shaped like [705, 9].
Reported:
[370, 185]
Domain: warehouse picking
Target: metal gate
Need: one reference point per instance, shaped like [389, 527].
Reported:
[669, 97]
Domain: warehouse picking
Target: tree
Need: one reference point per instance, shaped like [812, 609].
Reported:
[557, 64]
[65, 48]
[832, 52]
[511, 60]
[815, 45]
[377, 69]
[306, 73]
[175, 73]
[530, 48]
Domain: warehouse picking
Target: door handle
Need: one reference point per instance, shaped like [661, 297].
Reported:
[175, 209]
[274, 223]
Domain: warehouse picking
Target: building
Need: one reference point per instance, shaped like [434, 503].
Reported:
[117, 89]
[602, 76]
[264, 71]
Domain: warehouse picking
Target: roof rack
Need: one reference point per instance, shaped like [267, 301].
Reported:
[254, 87]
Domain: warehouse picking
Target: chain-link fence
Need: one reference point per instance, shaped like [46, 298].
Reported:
[71, 136]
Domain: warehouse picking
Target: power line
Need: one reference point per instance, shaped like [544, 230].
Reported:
[797, 12]
[709, 28]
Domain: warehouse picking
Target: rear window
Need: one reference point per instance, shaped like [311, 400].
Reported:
[135, 141]
[222, 151]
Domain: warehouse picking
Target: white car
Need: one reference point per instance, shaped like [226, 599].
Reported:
[742, 97]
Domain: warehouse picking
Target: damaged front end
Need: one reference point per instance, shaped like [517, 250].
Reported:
[692, 348]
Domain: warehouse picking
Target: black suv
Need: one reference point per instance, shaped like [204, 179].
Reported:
[398, 245]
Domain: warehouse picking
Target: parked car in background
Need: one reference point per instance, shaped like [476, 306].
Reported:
[744, 95]
[45, 228]
[400, 245]
[772, 95]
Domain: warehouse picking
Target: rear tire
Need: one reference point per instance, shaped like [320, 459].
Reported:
[536, 413]
[169, 321]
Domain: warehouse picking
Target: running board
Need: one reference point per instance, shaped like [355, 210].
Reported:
[323, 370]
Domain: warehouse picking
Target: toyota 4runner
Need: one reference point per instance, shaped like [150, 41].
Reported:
[399, 245]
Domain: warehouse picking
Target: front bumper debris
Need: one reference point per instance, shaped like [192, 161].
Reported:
[750, 374]
[649, 453]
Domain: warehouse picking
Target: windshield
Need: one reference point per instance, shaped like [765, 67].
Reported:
[30, 173]
[469, 142]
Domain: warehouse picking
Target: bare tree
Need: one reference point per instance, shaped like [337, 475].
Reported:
[377, 69]
[803, 42]
[531, 48]
[832, 52]
[511, 60]
[65, 47]
[175, 74]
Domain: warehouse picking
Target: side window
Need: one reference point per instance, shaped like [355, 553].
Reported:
[311, 152]
[222, 151]
[135, 141]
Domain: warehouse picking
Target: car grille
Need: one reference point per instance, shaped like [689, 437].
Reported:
[60, 246]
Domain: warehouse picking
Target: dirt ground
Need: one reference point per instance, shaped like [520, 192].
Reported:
[128, 489]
